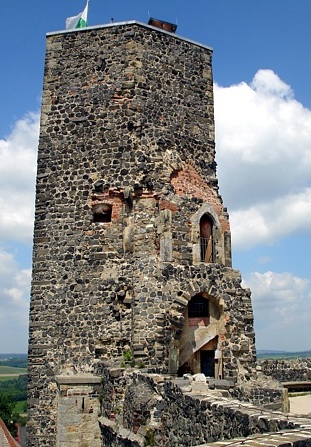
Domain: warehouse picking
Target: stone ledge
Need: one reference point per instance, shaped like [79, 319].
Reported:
[299, 438]
[77, 379]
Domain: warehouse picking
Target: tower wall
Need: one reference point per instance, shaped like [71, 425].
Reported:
[126, 171]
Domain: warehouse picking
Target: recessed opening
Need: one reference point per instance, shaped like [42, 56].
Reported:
[102, 213]
[206, 239]
[198, 307]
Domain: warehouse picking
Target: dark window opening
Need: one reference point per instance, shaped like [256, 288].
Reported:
[206, 239]
[102, 213]
[198, 307]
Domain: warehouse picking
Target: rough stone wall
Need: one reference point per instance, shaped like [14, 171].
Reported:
[262, 392]
[127, 124]
[152, 410]
[294, 370]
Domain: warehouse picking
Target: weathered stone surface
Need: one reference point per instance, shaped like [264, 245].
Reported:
[126, 171]
[294, 370]
[178, 416]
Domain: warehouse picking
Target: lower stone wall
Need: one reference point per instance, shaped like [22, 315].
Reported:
[292, 438]
[286, 370]
[147, 409]
[262, 392]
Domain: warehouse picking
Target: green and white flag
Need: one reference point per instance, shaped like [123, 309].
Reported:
[79, 21]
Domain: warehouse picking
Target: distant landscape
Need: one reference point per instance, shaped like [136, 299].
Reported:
[270, 354]
[13, 390]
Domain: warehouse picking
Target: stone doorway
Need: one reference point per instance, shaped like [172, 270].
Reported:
[207, 363]
[199, 338]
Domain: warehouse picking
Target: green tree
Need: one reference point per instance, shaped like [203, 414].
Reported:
[7, 411]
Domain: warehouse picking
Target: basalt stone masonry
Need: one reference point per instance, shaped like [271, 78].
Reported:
[150, 409]
[283, 370]
[132, 250]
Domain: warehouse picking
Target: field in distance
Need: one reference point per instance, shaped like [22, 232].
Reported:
[11, 370]
[12, 366]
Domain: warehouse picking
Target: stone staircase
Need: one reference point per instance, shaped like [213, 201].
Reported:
[203, 335]
[298, 436]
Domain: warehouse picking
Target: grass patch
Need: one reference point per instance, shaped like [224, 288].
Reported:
[21, 407]
[10, 370]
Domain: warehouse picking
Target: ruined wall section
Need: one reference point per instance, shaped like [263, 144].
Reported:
[286, 370]
[148, 409]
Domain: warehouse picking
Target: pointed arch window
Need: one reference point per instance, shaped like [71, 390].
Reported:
[206, 239]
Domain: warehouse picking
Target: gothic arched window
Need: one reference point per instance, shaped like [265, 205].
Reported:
[206, 239]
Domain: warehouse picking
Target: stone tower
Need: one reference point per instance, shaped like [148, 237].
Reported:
[132, 251]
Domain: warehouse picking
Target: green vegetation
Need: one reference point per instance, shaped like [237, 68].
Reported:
[8, 370]
[141, 364]
[14, 360]
[149, 437]
[298, 394]
[15, 388]
[8, 413]
[13, 395]
[21, 407]
[128, 359]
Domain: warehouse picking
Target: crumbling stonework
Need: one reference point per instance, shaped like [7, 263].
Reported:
[132, 249]
[142, 409]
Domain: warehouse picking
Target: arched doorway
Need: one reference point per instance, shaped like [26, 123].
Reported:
[199, 337]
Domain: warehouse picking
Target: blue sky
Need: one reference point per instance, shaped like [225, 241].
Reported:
[261, 67]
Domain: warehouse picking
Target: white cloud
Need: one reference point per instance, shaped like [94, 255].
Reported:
[14, 304]
[264, 158]
[282, 310]
[266, 222]
[17, 186]
[267, 82]
[17, 179]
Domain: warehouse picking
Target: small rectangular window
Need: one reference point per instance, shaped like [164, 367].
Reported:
[102, 213]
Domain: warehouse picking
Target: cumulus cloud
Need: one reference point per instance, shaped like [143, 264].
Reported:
[17, 185]
[264, 158]
[282, 306]
[266, 222]
[14, 303]
[17, 179]
[267, 82]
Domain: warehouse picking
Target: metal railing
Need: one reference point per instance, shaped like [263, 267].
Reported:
[206, 246]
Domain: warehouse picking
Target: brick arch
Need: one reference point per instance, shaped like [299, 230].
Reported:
[199, 337]
[182, 299]
[206, 209]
